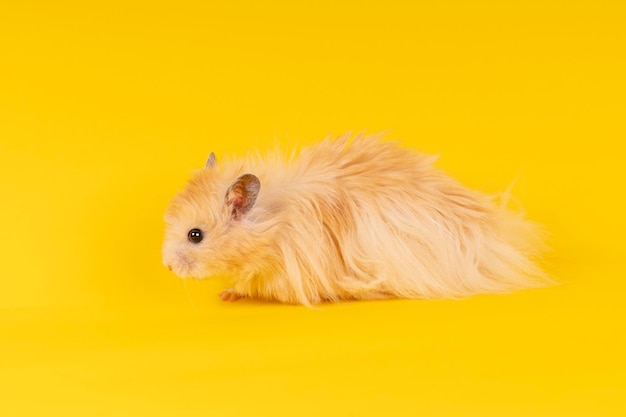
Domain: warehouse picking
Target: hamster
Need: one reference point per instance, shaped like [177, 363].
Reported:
[347, 219]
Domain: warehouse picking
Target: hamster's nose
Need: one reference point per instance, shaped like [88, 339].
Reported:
[169, 267]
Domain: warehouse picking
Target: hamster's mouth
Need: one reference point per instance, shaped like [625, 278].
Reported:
[181, 271]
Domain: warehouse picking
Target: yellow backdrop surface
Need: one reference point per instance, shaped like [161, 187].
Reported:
[106, 107]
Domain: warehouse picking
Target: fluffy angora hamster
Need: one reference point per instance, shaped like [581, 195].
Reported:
[345, 220]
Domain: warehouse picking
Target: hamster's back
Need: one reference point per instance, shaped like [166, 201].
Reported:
[369, 219]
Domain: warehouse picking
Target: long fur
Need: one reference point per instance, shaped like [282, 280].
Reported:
[351, 219]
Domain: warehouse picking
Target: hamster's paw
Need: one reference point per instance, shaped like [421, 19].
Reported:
[230, 295]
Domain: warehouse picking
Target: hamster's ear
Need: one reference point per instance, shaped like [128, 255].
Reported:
[242, 194]
[211, 161]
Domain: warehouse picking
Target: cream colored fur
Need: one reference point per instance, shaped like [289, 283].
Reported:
[360, 219]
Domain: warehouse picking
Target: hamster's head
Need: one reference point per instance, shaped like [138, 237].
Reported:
[203, 222]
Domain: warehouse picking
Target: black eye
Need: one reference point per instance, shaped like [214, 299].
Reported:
[195, 235]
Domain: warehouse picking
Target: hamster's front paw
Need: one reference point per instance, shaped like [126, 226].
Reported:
[230, 295]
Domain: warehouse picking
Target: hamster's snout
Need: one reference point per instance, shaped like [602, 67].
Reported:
[180, 263]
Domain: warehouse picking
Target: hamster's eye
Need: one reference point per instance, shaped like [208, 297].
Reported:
[195, 236]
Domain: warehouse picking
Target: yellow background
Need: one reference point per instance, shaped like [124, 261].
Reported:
[107, 106]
